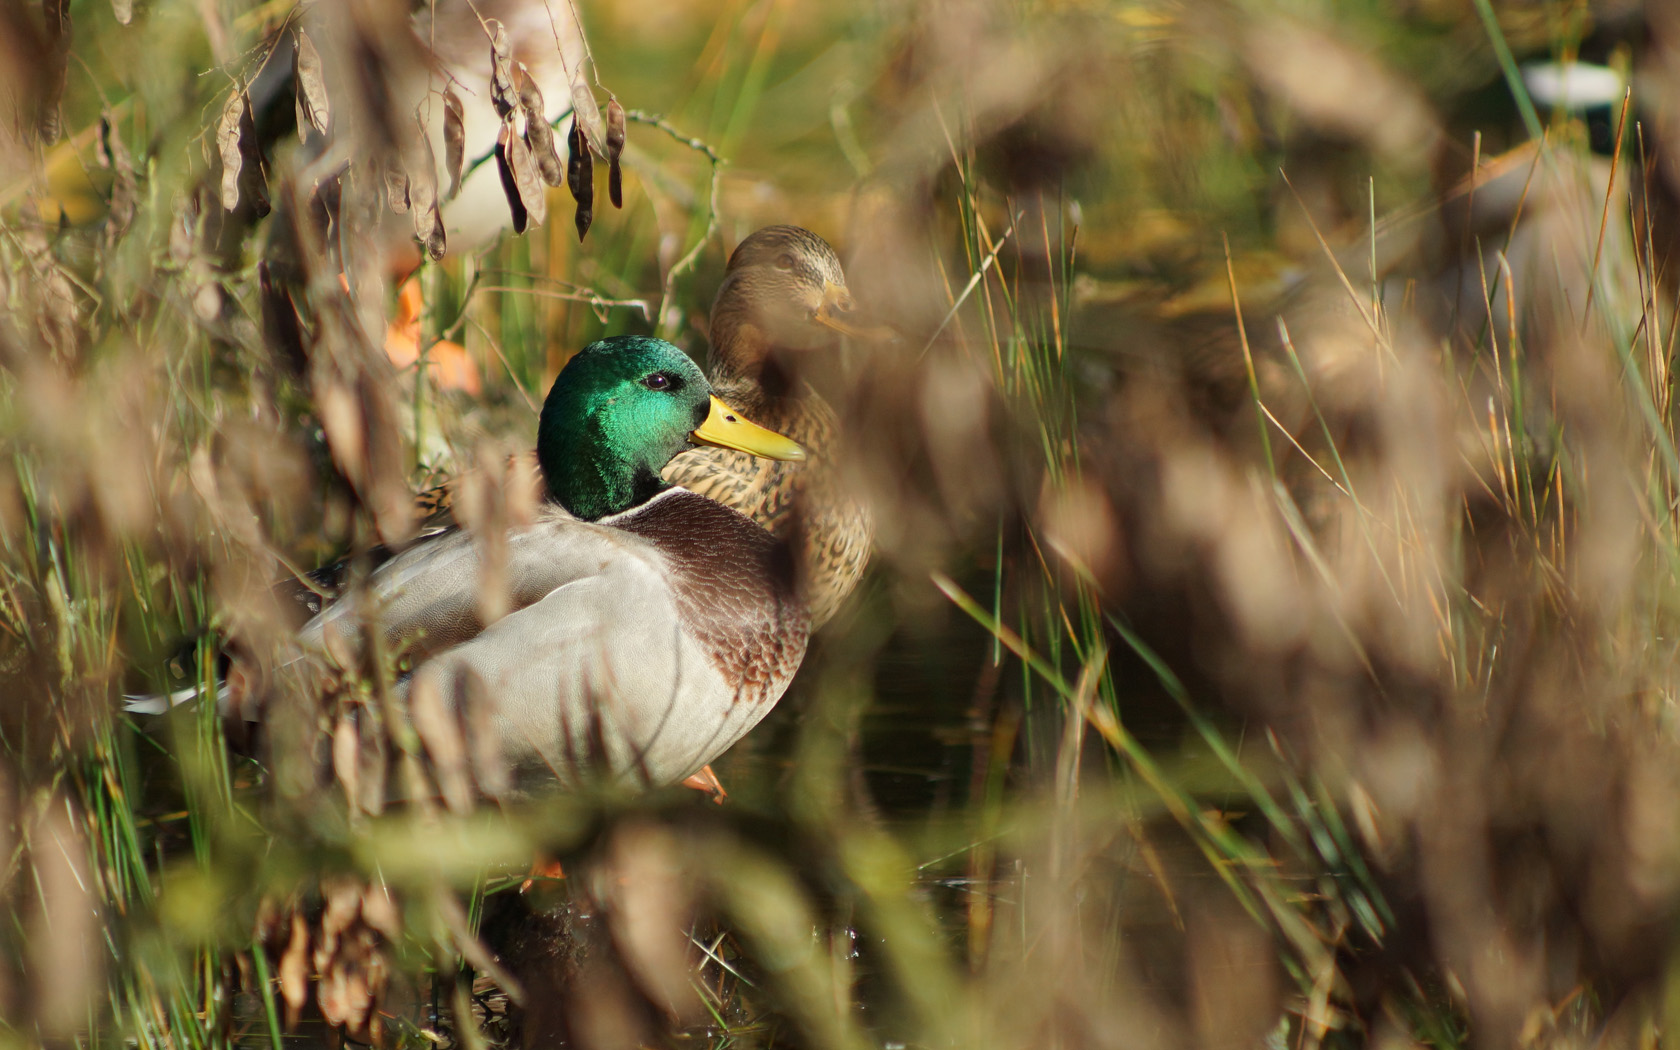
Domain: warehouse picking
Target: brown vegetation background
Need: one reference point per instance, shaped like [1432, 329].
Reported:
[1268, 640]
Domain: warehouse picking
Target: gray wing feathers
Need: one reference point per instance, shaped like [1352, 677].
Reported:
[591, 671]
[596, 676]
[427, 597]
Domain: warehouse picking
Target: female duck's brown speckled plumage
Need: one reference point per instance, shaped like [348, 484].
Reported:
[784, 294]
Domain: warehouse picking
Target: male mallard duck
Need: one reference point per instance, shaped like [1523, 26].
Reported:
[783, 294]
[650, 627]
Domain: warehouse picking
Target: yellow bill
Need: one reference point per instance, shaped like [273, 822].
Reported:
[727, 428]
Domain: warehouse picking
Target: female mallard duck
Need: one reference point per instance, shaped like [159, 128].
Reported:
[784, 294]
[650, 627]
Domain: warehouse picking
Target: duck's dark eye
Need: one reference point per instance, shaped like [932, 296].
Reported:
[784, 261]
[662, 381]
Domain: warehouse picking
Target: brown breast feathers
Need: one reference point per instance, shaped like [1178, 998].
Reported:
[734, 587]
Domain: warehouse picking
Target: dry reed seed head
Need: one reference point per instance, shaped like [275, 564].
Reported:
[440, 733]
[1346, 86]
[646, 885]
[65, 962]
[293, 970]
[347, 759]
[359, 415]
[957, 402]
[1079, 524]
[477, 707]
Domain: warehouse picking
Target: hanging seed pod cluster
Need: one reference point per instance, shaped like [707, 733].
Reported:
[526, 157]
[489, 102]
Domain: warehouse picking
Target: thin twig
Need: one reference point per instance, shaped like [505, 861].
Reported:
[663, 326]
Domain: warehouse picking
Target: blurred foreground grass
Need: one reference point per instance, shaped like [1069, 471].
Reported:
[1298, 673]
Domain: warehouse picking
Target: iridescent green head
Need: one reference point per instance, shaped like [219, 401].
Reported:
[619, 411]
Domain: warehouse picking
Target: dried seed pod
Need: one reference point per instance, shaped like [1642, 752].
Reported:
[346, 745]
[227, 144]
[580, 178]
[585, 111]
[502, 93]
[253, 183]
[423, 198]
[428, 228]
[183, 231]
[576, 152]
[282, 329]
[615, 128]
[510, 187]
[396, 189]
[538, 134]
[313, 109]
[615, 149]
[454, 139]
[527, 179]
[380, 911]
[125, 188]
[293, 970]
[56, 16]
